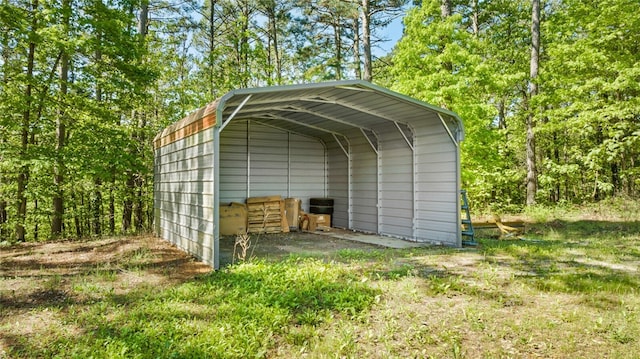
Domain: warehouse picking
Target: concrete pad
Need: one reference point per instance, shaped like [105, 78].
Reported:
[384, 241]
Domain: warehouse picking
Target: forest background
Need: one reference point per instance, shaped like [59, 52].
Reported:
[548, 92]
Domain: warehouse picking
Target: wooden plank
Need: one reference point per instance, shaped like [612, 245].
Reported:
[275, 198]
[261, 205]
[284, 224]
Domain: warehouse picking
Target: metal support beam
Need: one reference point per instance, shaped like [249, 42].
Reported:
[233, 114]
[282, 118]
[406, 139]
[335, 137]
[321, 115]
[455, 142]
[373, 145]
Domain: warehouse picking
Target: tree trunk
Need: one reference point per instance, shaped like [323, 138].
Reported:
[276, 50]
[77, 221]
[4, 233]
[127, 209]
[475, 26]
[212, 36]
[366, 41]
[3, 220]
[59, 168]
[338, 55]
[112, 211]
[356, 48]
[139, 206]
[532, 173]
[445, 8]
[21, 212]
[96, 206]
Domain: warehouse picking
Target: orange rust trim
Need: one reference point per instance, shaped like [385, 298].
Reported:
[187, 130]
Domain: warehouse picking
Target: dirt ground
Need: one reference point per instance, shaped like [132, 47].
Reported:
[275, 246]
[34, 273]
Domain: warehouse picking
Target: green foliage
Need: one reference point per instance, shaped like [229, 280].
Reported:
[587, 136]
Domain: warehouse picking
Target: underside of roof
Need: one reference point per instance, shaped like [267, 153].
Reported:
[330, 108]
[317, 110]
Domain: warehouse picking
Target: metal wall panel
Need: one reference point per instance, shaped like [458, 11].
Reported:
[233, 163]
[183, 196]
[396, 180]
[268, 161]
[338, 182]
[364, 184]
[259, 160]
[436, 183]
[307, 176]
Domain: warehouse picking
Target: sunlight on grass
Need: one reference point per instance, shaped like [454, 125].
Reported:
[237, 312]
[569, 290]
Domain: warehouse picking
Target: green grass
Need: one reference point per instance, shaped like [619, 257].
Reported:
[569, 290]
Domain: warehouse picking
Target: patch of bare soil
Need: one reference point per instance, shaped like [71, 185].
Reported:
[278, 246]
[43, 274]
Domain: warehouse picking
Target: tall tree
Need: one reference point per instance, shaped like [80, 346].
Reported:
[366, 41]
[26, 123]
[57, 220]
[532, 173]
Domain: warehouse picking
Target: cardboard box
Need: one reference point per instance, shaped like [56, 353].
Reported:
[233, 219]
[292, 208]
[319, 222]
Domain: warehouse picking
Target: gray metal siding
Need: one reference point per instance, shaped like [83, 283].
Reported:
[396, 193]
[436, 183]
[268, 154]
[183, 197]
[364, 184]
[259, 160]
[338, 183]
[233, 163]
[307, 169]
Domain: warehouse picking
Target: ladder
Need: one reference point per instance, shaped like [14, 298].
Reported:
[467, 226]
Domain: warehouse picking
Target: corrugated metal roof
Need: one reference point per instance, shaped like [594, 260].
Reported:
[322, 109]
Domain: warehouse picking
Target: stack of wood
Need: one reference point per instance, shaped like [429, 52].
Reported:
[266, 215]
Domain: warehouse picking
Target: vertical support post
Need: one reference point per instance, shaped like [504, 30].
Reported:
[379, 226]
[288, 164]
[216, 197]
[414, 184]
[248, 159]
[349, 188]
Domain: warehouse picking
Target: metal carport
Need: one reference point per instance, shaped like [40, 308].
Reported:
[391, 162]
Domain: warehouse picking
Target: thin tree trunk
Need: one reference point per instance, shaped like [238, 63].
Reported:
[338, 42]
[366, 41]
[59, 168]
[77, 221]
[112, 211]
[356, 48]
[475, 26]
[139, 206]
[212, 36]
[3, 220]
[96, 206]
[276, 51]
[5, 79]
[445, 8]
[26, 119]
[532, 173]
[127, 209]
